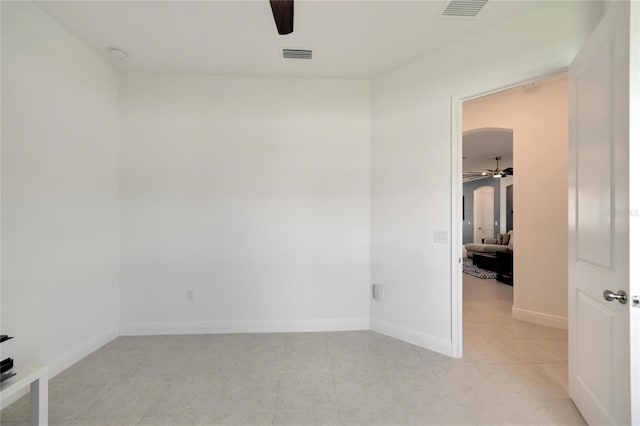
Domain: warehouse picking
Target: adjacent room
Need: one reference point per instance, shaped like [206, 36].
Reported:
[523, 128]
[248, 212]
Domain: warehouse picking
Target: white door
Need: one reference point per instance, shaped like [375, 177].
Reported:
[599, 330]
[483, 213]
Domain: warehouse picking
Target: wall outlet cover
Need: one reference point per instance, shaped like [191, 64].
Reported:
[377, 292]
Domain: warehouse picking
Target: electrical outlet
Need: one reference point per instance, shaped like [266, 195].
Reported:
[377, 291]
[190, 295]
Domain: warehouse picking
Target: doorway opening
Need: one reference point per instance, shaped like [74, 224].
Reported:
[514, 183]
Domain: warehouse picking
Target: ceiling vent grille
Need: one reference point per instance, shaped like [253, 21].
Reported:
[296, 54]
[463, 8]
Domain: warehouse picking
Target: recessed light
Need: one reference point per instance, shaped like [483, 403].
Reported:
[118, 53]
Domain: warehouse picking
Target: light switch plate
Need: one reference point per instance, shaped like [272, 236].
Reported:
[441, 237]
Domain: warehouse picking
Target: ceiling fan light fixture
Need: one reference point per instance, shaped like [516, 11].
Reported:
[283, 15]
[497, 175]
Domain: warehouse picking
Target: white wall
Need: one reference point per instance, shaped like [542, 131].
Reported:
[253, 192]
[59, 192]
[540, 123]
[412, 158]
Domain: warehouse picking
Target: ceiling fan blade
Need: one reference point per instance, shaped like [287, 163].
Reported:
[283, 15]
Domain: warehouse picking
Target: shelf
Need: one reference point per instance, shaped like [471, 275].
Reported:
[25, 375]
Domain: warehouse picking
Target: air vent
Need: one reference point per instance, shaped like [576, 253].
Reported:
[463, 8]
[296, 54]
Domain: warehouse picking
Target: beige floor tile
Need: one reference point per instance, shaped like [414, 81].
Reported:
[16, 412]
[305, 342]
[438, 413]
[185, 344]
[188, 396]
[340, 348]
[519, 374]
[259, 392]
[181, 420]
[307, 360]
[126, 399]
[258, 361]
[243, 416]
[377, 416]
[315, 417]
[556, 373]
[306, 391]
[557, 346]
[559, 412]
[520, 351]
[122, 421]
[364, 389]
[209, 363]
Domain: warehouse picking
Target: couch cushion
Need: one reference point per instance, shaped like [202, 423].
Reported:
[485, 248]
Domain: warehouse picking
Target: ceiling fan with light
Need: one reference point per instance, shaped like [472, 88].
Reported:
[497, 173]
[283, 15]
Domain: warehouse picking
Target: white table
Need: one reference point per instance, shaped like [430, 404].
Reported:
[38, 379]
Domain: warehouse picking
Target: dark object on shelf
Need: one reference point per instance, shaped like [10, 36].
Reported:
[5, 376]
[485, 261]
[6, 365]
[4, 337]
[504, 267]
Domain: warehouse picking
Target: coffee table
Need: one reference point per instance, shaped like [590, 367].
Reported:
[485, 261]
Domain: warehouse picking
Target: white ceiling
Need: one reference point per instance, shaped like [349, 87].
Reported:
[350, 39]
[480, 147]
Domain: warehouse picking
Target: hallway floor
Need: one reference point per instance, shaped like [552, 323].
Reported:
[513, 373]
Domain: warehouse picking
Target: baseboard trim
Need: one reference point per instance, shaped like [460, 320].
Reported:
[220, 327]
[67, 359]
[540, 318]
[414, 337]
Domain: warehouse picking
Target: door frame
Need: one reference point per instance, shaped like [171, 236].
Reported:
[634, 203]
[456, 194]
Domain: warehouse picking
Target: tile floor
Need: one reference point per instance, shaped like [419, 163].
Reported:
[512, 373]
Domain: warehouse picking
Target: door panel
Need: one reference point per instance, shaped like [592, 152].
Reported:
[599, 363]
[597, 321]
[594, 156]
[483, 213]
